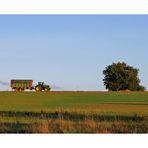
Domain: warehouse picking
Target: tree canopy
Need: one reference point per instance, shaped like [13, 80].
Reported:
[120, 76]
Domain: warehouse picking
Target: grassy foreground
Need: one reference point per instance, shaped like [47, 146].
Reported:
[74, 112]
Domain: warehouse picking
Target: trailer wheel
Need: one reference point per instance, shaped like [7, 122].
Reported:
[22, 89]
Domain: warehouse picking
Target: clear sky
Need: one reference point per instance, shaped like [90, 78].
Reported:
[69, 52]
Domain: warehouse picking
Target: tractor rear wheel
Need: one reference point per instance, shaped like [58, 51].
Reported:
[46, 89]
[38, 88]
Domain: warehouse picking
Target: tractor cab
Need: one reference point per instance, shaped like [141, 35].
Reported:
[41, 83]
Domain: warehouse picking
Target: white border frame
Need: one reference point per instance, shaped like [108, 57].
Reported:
[74, 141]
[73, 7]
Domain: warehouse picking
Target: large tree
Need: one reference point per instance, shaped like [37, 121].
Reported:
[120, 76]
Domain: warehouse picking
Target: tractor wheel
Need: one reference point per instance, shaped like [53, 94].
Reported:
[37, 88]
[46, 89]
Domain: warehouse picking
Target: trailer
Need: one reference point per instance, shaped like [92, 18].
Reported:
[21, 85]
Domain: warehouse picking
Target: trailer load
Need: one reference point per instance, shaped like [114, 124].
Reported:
[21, 85]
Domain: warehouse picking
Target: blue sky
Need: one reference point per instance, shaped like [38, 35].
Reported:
[69, 52]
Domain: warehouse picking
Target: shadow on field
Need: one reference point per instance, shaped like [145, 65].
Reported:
[124, 103]
[72, 116]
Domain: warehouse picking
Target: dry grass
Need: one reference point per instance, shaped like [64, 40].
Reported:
[62, 126]
[62, 122]
[40, 127]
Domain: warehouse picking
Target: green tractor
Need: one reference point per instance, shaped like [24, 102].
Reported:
[42, 87]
